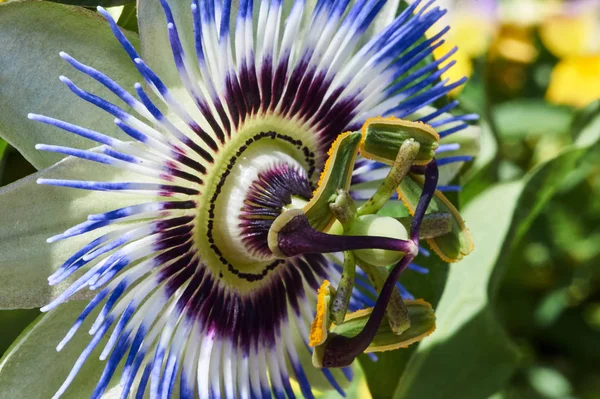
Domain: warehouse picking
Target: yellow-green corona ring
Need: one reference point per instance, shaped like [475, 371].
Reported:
[383, 226]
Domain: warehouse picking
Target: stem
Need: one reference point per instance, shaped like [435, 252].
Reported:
[431, 179]
[404, 159]
[396, 311]
[344, 209]
[339, 305]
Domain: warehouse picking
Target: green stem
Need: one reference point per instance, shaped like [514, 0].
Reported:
[343, 208]
[396, 311]
[339, 305]
[406, 155]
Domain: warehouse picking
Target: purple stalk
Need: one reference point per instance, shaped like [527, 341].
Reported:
[298, 237]
[431, 179]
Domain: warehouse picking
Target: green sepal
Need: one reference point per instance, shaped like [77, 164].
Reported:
[432, 225]
[336, 175]
[383, 137]
[452, 246]
[422, 323]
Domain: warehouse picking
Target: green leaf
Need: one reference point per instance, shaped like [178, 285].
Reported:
[31, 36]
[3, 145]
[586, 118]
[128, 18]
[470, 356]
[38, 212]
[94, 3]
[531, 117]
[481, 174]
[337, 174]
[13, 322]
[32, 368]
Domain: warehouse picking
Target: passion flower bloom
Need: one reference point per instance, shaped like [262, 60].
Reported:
[229, 127]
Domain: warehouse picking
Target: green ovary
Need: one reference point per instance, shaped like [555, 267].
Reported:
[382, 226]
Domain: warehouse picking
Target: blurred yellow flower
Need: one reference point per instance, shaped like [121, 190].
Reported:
[472, 31]
[514, 43]
[566, 35]
[572, 36]
[575, 81]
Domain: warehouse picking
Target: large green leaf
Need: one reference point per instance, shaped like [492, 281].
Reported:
[469, 356]
[531, 117]
[444, 363]
[481, 174]
[32, 368]
[3, 145]
[95, 3]
[37, 212]
[13, 322]
[31, 36]
[128, 18]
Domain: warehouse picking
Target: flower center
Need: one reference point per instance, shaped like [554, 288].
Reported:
[280, 186]
[263, 181]
[268, 167]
